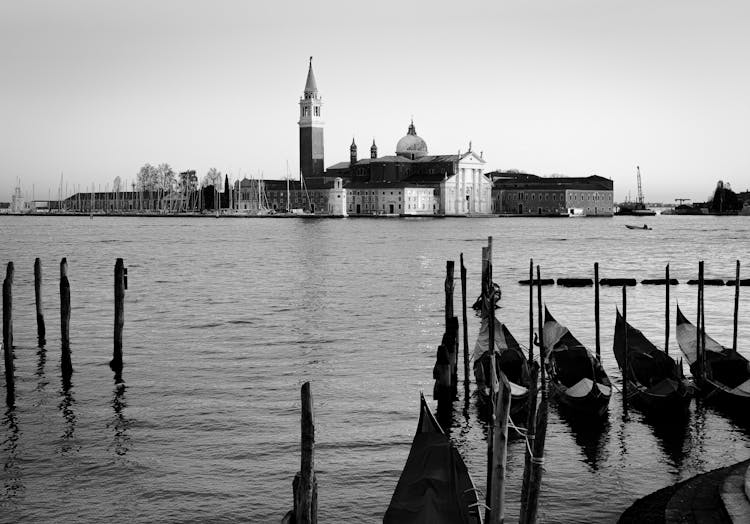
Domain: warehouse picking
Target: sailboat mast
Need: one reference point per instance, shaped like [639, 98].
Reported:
[640, 190]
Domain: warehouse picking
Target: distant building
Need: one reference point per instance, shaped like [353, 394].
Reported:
[18, 203]
[526, 194]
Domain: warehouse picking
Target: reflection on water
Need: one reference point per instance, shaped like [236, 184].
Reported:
[41, 361]
[671, 432]
[591, 434]
[119, 424]
[67, 401]
[12, 475]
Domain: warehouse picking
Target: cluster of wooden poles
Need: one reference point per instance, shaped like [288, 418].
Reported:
[445, 373]
[66, 364]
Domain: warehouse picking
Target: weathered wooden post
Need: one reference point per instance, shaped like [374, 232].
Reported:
[666, 315]
[484, 272]
[120, 285]
[306, 497]
[489, 298]
[41, 331]
[736, 305]
[625, 341]
[65, 361]
[451, 343]
[442, 389]
[449, 264]
[10, 384]
[531, 310]
[542, 353]
[466, 333]
[537, 462]
[530, 432]
[596, 311]
[499, 451]
[701, 285]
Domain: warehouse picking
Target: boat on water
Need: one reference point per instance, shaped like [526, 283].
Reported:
[643, 227]
[727, 375]
[509, 358]
[435, 485]
[637, 208]
[576, 377]
[654, 381]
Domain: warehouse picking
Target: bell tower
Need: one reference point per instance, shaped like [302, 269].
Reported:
[310, 129]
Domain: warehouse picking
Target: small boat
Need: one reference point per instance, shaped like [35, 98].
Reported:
[435, 485]
[727, 377]
[654, 382]
[576, 378]
[644, 227]
[509, 358]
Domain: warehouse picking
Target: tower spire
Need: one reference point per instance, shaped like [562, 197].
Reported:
[311, 87]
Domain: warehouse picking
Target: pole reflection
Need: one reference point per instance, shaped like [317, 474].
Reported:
[120, 423]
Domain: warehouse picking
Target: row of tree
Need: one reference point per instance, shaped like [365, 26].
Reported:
[164, 178]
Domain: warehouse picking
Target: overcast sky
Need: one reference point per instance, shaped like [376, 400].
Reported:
[95, 89]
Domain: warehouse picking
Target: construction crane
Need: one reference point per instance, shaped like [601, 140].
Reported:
[640, 190]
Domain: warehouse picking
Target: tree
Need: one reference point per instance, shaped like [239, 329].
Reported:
[116, 185]
[147, 178]
[212, 178]
[188, 180]
[165, 177]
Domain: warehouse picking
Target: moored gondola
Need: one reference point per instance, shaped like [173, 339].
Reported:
[576, 378]
[726, 379]
[654, 381]
[509, 358]
[435, 485]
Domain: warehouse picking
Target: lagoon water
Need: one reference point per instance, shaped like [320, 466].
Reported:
[225, 319]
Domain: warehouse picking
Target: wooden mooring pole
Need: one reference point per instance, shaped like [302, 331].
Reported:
[41, 331]
[530, 433]
[305, 483]
[531, 310]
[666, 313]
[449, 285]
[530, 497]
[10, 384]
[120, 286]
[65, 361]
[450, 338]
[466, 333]
[537, 463]
[499, 451]
[736, 306]
[625, 341]
[540, 313]
[596, 311]
[702, 294]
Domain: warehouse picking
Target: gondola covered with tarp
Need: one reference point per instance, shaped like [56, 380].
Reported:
[509, 358]
[576, 378]
[435, 486]
[726, 379]
[654, 380]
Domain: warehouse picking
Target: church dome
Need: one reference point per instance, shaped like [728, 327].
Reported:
[411, 146]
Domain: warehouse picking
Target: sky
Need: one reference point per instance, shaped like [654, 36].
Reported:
[93, 90]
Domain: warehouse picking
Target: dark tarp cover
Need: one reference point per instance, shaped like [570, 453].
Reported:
[435, 486]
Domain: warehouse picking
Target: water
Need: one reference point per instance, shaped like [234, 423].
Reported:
[225, 319]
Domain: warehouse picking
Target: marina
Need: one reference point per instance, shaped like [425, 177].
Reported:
[207, 422]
